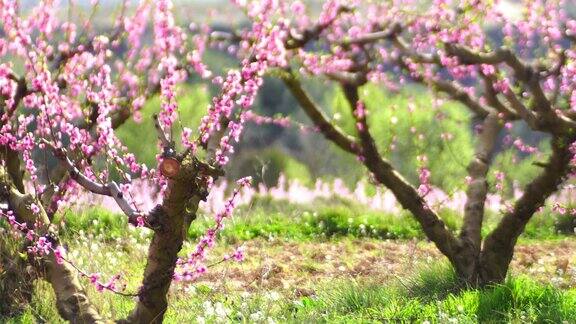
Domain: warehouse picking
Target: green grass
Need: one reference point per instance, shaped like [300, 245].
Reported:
[302, 223]
[433, 295]
[429, 294]
[325, 218]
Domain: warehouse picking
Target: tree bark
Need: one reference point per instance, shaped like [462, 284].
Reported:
[329, 130]
[172, 219]
[475, 264]
[466, 260]
[383, 171]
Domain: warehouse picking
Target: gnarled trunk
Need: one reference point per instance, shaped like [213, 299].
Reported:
[171, 221]
[491, 264]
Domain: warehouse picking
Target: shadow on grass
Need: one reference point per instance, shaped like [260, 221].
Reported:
[434, 294]
[432, 282]
[518, 298]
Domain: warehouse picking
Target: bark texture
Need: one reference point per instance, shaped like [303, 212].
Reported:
[466, 261]
[171, 220]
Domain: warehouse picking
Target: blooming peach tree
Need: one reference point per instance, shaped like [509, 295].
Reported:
[66, 87]
[506, 63]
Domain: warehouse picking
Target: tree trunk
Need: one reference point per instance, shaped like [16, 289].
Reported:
[172, 220]
[466, 259]
[474, 263]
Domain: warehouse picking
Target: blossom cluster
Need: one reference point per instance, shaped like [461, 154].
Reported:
[193, 266]
[239, 88]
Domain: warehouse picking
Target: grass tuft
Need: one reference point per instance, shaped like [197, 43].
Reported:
[436, 298]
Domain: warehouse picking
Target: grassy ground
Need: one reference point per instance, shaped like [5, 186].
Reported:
[326, 218]
[324, 264]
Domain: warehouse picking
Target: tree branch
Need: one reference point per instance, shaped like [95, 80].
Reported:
[478, 186]
[394, 29]
[406, 194]
[110, 189]
[526, 114]
[329, 130]
[59, 173]
[452, 89]
[401, 45]
[550, 120]
[300, 39]
[492, 98]
[499, 244]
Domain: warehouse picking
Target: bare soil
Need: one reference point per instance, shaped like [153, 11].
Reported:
[296, 268]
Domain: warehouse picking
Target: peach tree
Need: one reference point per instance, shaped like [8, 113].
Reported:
[66, 86]
[506, 63]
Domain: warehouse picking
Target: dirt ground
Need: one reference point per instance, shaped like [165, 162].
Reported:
[299, 267]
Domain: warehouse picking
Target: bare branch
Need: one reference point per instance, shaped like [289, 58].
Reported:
[469, 56]
[406, 194]
[452, 89]
[456, 92]
[110, 189]
[401, 45]
[161, 136]
[356, 78]
[526, 114]
[329, 130]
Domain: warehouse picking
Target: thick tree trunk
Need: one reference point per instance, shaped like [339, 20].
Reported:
[466, 259]
[162, 256]
[171, 220]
